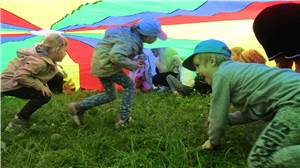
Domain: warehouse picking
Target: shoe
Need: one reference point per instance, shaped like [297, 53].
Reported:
[124, 123]
[16, 124]
[162, 89]
[76, 113]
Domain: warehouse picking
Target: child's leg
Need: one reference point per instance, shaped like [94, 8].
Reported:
[287, 157]
[161, 78]
[173, 82]
[102, 98]
[282, 133]
[128, 86]
[37, 99]
[56, 83]
[176, 85]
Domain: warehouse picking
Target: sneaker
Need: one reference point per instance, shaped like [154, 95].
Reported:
[16, 124]
[76, 114]
[124, 123]
[162, 89]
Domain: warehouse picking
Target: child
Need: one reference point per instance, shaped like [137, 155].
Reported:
[114, 52]
[187, 82]
[184, 85]
[26, 76]
[258, 92]
[277, 29]
[168, 62]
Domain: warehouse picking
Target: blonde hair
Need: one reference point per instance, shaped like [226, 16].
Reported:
[53, 41]
[252, 56]
[236, 53]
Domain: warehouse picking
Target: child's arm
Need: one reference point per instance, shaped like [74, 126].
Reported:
[26, 72]
[119, 55]
[218, 115]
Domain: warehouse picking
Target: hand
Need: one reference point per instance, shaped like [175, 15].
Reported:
[46, 91]
[207, 145]
[175, 93]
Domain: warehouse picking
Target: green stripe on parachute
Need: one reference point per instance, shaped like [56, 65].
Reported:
[95, 12]
[10, 49]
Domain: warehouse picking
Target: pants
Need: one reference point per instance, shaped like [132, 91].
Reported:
[36, 100]
[56, 83]
[278, 146]
[160, 79]
[176, 85]
[110, 94]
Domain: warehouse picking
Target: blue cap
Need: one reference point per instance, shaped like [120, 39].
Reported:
[207, 46]
[150, 26]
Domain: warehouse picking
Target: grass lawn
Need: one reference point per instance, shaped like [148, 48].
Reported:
[168, 132]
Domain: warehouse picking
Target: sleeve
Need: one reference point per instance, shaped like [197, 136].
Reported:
[25, 75]
[119, 55]
[176, 63]
[220, 103]
[237, 118]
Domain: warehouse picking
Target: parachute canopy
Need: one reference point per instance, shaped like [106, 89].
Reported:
[83, 22]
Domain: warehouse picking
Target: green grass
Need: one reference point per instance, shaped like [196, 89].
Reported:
[168, 132]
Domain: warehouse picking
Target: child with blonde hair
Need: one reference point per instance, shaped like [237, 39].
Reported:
[27, 75]
[259, 93]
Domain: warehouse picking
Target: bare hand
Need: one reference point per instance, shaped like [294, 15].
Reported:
[207, 145]
[46, 91]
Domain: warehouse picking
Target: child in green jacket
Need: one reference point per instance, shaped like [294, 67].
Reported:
[258, 92]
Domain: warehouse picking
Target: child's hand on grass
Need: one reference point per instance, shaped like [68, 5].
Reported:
[46, 91]
[207, 145]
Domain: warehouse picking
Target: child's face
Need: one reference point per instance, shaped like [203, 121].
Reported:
[204, 69]
[149, 39]
[59, 55]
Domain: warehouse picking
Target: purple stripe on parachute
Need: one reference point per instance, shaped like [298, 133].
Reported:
[87, 40]
[14, 38]
[207, 9]
[8, 26]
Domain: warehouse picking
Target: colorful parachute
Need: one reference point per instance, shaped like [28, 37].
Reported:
[83, 22]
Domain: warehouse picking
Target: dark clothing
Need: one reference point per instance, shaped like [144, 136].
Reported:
[201, 86]
[56, 83]
[160, 79]
[36, 100]
[277, 29]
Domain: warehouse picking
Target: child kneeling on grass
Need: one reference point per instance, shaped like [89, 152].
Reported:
[258, 92]
[26, 76]
[115, 52]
